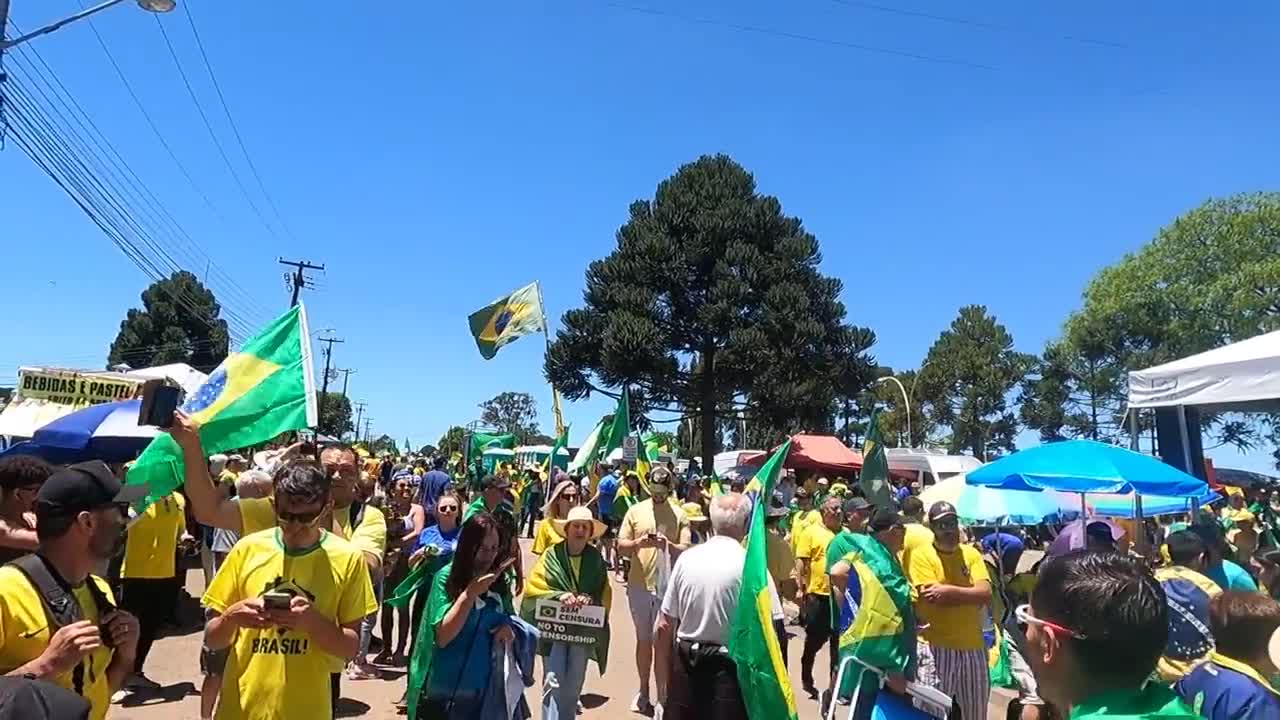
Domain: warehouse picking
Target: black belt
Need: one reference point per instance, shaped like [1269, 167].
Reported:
[699, 650]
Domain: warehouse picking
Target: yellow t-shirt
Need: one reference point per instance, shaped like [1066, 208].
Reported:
[953, 627]
[643, 518]
[813, 547]
[258, 514]
[782, 562]
[545, 537]
[228, 477]
[800, 523]
[24, 634]
[917, 535]
[152, 542]
[273, 674]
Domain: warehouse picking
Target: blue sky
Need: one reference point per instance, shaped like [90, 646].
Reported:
[437, 155]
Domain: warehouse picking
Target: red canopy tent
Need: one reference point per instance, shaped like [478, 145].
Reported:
[821, 453]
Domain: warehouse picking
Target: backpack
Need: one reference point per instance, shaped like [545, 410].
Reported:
[60, 606]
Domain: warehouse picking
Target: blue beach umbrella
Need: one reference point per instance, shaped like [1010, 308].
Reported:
[107, 432]
[1086, 466]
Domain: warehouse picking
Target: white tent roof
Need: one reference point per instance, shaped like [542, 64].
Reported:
[186, 376]
[1244, 372]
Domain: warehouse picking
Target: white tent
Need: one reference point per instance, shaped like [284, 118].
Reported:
[1233, 376]
[187, 377]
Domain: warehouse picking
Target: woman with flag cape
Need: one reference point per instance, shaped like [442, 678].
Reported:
[572, 573]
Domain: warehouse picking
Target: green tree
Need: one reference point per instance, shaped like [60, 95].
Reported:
[1209, 278]
[427, 450]
[178, 323]
[512, 412]
[335, 416]
[965, 381]
[382, 443]
[712, 303]
[452, 441]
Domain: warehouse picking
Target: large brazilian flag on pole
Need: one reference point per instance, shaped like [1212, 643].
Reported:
[753, 645]
[265, 389]
[507, 319]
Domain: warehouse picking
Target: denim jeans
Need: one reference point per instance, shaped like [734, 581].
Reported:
[565, 667]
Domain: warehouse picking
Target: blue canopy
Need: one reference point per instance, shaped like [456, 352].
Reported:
[107, 432]
[1086, 466]
[1121, 506]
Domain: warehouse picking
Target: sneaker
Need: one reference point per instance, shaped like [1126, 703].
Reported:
[640, 704]
[383, 658]
[361, 672]
[138, 681]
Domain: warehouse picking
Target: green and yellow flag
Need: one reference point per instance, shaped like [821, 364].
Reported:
[621, 426]
[507, 319]
[265, 389]
[874, 477]
[753, 645]
[875, 622]
[561, 442]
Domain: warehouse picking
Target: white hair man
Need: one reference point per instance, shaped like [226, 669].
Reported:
[697, 611]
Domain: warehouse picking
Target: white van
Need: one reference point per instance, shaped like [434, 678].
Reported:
[927, 465]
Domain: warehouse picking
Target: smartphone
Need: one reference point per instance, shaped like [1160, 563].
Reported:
[159, 401]
[276, 600]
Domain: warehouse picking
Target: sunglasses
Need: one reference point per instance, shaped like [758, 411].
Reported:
[949, 523]
[1023, 614]
[446, 509]
[303, 518]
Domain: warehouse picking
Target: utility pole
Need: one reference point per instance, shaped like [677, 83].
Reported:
[356, 427]
[324, 388]
[297, 280]
[346, 375]
[368, 423]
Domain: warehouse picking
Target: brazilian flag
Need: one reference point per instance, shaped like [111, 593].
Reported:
[507, 319]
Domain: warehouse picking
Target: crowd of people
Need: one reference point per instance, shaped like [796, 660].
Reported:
[323, 565]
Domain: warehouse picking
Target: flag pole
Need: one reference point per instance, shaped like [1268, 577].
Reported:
[546, 335]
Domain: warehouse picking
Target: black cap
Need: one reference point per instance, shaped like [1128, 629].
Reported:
[942, 509]
[884, 519]
[1100, 531]
[776, 507]
[495, 482]
[84, 486]
[855, 504]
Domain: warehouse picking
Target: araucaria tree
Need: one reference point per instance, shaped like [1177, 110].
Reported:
[712, 304]
[178, 323]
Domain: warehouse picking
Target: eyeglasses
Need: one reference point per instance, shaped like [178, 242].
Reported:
[304, 518]
[1023, 614]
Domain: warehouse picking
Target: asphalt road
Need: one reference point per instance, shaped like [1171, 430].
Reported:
[174, 663]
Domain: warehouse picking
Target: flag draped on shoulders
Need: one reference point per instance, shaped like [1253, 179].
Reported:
[553, 575]
[753, 644]
[876, 624]
[264, 389]
[507, 319]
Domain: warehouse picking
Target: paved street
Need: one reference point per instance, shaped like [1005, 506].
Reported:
[174, 663]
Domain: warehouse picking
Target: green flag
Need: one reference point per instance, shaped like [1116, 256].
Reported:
[874, 477]
[621, 426]
[481, 441]
[507, 319]
[753, 645]
[255, 394]
[561, 443]
[587, 453]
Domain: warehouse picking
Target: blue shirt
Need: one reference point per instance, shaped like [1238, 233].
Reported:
[1225, 689]
[463, 665]
[1231, 576]
[434, 483]
[446, 542]
[608, 490]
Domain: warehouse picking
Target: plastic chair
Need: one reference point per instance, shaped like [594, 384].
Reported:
[927, 701]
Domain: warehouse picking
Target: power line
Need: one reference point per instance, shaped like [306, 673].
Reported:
[186, 9]
[798, 36]
[209, 127]
[970, 22]
[122, 171]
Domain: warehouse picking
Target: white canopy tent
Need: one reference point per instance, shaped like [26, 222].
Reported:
[1235, 377]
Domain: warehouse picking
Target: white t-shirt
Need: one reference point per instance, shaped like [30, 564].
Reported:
[702, 594]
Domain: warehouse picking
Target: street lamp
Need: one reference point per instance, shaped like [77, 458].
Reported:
[905, 399]
[155, 6]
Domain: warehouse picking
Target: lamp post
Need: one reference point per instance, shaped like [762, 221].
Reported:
[155, 6]
[905, 399]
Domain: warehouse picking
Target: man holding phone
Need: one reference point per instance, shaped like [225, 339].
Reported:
[288, 602]
[653, 533]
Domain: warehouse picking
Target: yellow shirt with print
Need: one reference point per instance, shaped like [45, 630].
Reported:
[952, 627]
[545, 537]
[813, 547]
[801, 522]
[273, 674]
[24, 634]
[258, 514]
[152, 543]
[649, 516]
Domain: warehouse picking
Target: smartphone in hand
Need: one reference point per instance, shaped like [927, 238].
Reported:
[159, 401]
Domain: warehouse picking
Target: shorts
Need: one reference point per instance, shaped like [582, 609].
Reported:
[644, 611]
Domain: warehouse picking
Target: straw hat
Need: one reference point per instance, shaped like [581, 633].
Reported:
[693, 511]
[580, 514]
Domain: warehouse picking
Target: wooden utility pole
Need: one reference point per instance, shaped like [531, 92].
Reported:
[298, 280]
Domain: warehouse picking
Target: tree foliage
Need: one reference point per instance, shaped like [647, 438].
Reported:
[452, 441]
[512, 412]
[178, 323]
[712, 303]
[427, 450]
[965, 380]
[383, 443]
[335, 414]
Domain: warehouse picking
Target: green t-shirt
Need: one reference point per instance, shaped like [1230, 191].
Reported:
[478, 505]
[1154, 700]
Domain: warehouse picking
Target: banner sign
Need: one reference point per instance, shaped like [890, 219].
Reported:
[66, 387]
[560, 624]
